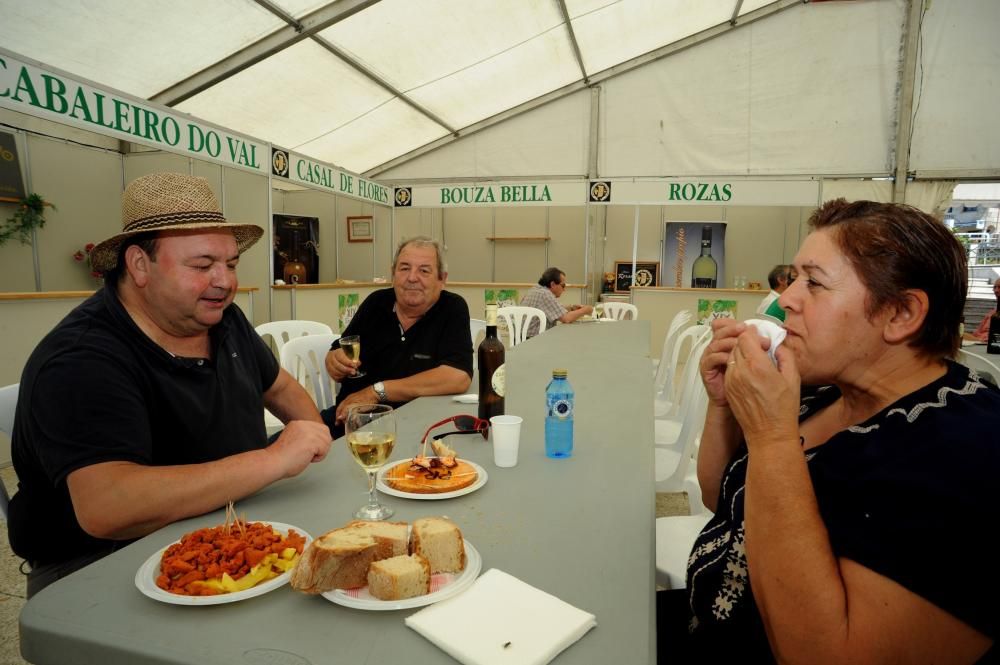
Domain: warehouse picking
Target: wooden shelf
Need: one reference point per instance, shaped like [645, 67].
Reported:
[519, 238]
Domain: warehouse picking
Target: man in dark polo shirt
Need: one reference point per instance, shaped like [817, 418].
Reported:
[145, 404]
[415, 338]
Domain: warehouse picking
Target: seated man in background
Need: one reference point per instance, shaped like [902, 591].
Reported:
[415, 338]
[145, 405]
[778, 280]
[543, 296]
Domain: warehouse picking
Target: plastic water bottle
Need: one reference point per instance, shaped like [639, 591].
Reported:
[559, 419]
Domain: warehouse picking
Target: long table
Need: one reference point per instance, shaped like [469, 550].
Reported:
[580, 529]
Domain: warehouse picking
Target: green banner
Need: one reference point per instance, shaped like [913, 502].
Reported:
[45, 93]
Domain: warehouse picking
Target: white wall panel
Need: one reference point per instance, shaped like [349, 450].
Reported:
[788, 95]
[550, 140]
[958, 89]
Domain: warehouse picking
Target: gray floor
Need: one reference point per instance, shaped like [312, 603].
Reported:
[12, 582]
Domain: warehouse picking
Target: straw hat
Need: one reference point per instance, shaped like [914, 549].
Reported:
[169, 202]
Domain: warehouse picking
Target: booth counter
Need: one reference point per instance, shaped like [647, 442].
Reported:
[658, 305]
[331, 303]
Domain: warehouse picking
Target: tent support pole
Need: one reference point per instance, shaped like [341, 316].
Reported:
[904, 107]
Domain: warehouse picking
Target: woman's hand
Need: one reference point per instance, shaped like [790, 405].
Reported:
[713, 361]
[763, 398]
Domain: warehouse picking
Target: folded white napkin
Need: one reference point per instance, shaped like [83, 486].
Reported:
[772, 331]
[500, 619]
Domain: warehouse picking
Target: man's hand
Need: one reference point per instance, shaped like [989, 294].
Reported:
[339, 367]
[301, 443]
[364, 396]
[575, 312]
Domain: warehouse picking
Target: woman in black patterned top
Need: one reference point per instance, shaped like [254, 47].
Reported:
[851, 526]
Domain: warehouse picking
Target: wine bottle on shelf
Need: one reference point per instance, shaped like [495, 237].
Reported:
[993, 336]
[491, 356]
[705, 271]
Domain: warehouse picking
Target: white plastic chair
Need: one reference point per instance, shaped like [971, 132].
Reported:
[675, 536]
[983, 366]
[282, 331]
[673, 453]
[518, 320]
[8, 404]
[673, 459]
[476, 327]
[620, 310]
[669, 400]
[304, 358]
[662, 371]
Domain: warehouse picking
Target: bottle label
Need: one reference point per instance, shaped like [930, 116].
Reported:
[561, 409]
[499, 380]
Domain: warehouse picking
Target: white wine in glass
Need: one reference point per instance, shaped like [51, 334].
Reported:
[371, 436]
[352, 349]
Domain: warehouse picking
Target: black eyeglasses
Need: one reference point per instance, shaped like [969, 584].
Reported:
[465, 425]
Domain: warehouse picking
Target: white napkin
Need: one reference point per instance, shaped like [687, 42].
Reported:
[772, 331]
[500, 619]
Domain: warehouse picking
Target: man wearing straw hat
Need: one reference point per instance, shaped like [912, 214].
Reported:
[145, 404]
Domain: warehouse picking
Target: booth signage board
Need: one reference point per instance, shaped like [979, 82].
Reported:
[47, 93]
[647, 273]
[492, 194]
[301, 169]
[11, 182]
[671, 191]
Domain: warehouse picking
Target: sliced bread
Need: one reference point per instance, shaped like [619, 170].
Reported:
[404, 576]
[439, 540]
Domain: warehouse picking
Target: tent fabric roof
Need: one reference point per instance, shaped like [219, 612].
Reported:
[500, 88]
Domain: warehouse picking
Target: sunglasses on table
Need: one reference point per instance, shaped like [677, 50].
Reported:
[464, 425]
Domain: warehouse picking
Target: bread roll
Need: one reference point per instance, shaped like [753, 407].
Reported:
[391, 538]
[439, 540]
[404, 576]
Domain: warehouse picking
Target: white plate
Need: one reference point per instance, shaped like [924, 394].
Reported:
[145, 579]
[443, 585]
[970, 342]
[471, 398]
[380, 483]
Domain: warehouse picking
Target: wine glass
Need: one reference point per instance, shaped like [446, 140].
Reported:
[371, 436]
[352, 347]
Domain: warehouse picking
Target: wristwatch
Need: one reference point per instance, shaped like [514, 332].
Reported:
[379, 389]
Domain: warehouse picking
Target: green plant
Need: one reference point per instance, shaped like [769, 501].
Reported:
[28, 215]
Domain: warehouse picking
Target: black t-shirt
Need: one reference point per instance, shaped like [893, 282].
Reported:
[97, 389]
[439, 337]
[908, 493]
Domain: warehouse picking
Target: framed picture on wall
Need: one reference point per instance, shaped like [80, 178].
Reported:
[296, 240]
[360, 229]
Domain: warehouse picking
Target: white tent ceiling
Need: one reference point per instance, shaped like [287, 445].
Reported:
[373, 85]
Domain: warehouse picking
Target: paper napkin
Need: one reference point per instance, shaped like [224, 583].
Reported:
[772, 331]
[500, 619]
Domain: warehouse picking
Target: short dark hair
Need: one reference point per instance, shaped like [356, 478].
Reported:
[777, 273]
[147, 242]
[894, 247]
[550, 275]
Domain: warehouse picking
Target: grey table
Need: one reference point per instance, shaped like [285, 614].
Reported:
[580, 529]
